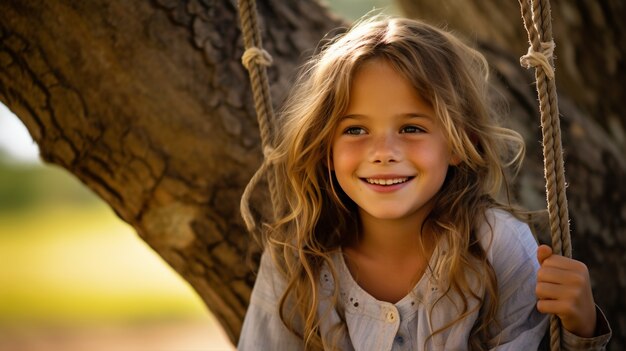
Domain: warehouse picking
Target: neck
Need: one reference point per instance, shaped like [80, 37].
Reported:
[393, 238]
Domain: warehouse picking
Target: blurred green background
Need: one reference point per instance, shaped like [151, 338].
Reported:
[75, 277]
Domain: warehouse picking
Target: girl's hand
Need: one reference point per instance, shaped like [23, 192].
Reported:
[563, 288]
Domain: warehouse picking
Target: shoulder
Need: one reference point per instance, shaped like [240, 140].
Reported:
[498, 220]
[506, 239]
[500, 229]
[269, 285]
[263, 329]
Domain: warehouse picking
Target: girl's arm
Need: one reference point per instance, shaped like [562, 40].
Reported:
[564, 289]
[512, 251]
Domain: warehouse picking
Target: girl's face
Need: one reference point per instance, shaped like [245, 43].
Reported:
[389, 153]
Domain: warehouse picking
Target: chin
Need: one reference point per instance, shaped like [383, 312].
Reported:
[387, 215]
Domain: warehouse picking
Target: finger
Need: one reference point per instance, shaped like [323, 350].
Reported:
[551, 275]
[550, 291]
[564, 263]
[543, 252]
[573, 319]
[555, 275]
[557, 307]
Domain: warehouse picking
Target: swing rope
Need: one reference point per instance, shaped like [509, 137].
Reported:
[538, 23]
[256, 59]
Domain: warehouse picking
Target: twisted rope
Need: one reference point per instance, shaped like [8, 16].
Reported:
[256, 59]
[538, 24]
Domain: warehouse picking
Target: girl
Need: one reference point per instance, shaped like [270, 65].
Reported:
[393, 237]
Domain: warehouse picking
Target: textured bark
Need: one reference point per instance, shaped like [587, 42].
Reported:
[591, 71]
[148, 105]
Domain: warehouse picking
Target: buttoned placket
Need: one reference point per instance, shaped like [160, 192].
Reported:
[391, 317]
[402, 339]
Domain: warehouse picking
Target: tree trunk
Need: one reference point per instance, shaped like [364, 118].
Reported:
[148, 105]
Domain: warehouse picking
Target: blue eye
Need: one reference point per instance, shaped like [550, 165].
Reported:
[411, 129]
[354, 131]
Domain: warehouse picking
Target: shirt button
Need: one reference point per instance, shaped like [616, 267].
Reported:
[399, 340]
[391, 316]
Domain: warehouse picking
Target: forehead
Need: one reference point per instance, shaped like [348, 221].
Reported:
[378, 88]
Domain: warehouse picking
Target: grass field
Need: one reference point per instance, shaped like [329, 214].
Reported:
[71, 275]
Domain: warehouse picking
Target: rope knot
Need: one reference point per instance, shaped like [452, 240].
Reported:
[540, 59]
[256, 55]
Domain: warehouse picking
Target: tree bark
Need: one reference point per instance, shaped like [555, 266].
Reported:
[148, 105]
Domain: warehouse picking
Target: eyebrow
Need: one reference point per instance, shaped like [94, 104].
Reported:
[401, 115]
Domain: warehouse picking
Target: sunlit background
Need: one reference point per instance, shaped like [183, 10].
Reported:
[74, 277]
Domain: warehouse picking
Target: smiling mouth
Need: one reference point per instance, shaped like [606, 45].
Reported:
[387, 182]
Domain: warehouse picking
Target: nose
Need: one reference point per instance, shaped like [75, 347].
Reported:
[385, 149]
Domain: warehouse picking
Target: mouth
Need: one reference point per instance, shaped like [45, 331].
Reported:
[387, 181]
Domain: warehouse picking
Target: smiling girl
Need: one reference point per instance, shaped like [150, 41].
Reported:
[394, 237]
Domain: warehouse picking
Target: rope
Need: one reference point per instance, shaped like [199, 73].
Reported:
[538, 24]
[534, 59]
[256, 59]
[257, 56]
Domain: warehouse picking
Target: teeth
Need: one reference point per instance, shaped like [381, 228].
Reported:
[386, 181]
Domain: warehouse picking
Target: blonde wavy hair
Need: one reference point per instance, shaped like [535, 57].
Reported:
[319, 218]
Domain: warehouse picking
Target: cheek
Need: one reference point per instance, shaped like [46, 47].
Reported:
[432, 158]
[345, 157]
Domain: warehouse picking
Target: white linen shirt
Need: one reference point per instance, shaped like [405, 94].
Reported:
[409, 323]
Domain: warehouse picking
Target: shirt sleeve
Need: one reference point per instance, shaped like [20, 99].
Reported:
[262, 327]
[572, 342]
[512, 253]
[511, 249]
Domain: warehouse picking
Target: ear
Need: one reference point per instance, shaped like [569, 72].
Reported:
[455, 160]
